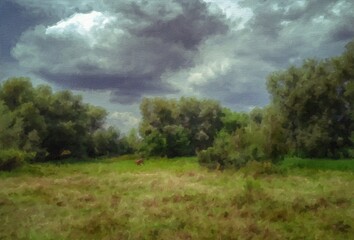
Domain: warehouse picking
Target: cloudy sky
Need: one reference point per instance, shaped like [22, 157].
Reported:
[114, 52]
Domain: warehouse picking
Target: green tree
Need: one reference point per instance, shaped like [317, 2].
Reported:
[275, 145]
[10, 128]
[202, 119]
[315, 104]
[179, 127]
[67, 125]
[16, 91]
[154, 143]
[105, 142]
[133, 141]
[34, 127]
[96, 117]
[50, 124]
[231, 121]
[176, 140]
[18, 96]
[346, 73]
[259, 137]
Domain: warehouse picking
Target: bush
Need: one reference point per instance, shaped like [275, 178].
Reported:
[262, 139]
[223, 154]
[235, 150]
[13, 158]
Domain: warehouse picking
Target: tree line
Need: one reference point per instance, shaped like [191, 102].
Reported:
[40, 125]
[310, 115]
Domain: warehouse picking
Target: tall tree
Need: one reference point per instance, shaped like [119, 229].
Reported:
[180, 127]
[10, 128]
[314, 101]
[38, 120]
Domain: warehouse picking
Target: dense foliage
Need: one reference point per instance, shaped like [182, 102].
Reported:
[13, 158]
[316, 103]
[259, 137]
[51, 125]
[178, 127]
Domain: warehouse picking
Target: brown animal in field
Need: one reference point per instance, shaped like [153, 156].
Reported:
[139, 161]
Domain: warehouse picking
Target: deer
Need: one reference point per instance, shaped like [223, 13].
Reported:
[139, 161]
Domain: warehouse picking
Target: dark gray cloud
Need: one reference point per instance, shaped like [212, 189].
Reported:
[14, 19]
[279, 34]
[343, 32]
[57, 10]
[126, 48]
[189, 26]
[298, 29]
[16, 16]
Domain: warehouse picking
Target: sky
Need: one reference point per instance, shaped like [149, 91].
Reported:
[116, 52]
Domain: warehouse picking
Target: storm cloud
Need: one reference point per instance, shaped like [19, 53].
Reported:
[233, 67]
[126, 48]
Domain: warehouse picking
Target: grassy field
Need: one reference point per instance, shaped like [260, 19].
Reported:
[177, 199]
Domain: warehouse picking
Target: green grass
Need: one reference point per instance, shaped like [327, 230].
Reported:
[177, 199]
[319, 164]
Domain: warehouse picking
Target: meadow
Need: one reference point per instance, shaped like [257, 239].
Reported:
[177, 199]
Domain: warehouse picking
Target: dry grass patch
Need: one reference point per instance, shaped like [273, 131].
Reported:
[118, 200]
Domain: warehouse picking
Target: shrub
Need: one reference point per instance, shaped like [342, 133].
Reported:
[13, 158]
[263, 139]
[223, 154]
[234, 150]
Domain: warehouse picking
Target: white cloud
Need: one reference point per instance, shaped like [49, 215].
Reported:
[87, 25]
[81, 23]
[123, 120]
[233, 11]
